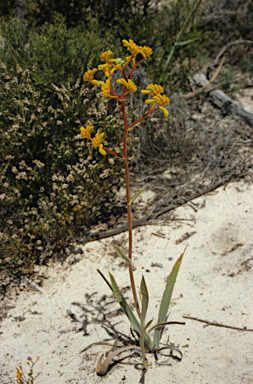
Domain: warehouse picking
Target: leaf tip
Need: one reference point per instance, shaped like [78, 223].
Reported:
[179, 261]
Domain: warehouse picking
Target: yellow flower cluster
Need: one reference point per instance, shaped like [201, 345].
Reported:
[105, 88]
[85, 132]
[128, 84]
[97, 140]
[155, 90]
[112, 65]
[89, 76]
[108, 68]
[135, 49]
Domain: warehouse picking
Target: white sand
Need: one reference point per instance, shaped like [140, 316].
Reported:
[215, 283]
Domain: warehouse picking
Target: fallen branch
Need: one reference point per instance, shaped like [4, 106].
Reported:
[156, 211]
[192, 94]
[222, 101]
[217, 324]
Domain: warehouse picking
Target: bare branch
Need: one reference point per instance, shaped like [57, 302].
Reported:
[217, 324]
[229, 45]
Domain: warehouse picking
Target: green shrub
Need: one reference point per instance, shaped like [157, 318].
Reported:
[246, 64]
[53, 52]
[193, 40]
[146, 22]
[159, 27]
[52, 185]
[7, 7]
[109, 13]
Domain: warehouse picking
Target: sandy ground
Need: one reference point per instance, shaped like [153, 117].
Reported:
[75, 308]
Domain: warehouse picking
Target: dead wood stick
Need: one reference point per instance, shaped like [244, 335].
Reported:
[217, 324]
[222, 101]
[153, 214]
[183, 200]
[229, 45]
[115, 231]
[192, 94]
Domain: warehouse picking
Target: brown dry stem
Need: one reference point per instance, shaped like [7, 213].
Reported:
[217, 324]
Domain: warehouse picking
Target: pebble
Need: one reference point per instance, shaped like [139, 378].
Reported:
[154, 264]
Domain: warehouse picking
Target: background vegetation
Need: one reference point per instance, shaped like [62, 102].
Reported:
[53, 187]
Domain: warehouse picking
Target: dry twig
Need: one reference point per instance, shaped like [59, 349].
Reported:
[217, 324]
[192, 94]
[229, 45]
[157, 210]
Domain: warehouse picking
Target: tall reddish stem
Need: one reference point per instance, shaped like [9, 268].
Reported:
[129, 212]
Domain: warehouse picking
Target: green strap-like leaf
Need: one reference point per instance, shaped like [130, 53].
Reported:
[125, 307]
[105, 279]
[141, 341]
[182, 43]
[144, 300]
[194, 8]
[164, 306]
[121, 254]
[127, 310]
[137, 195]
[143, 338]
[147, 339]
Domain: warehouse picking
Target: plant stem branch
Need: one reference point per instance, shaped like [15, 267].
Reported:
[112, 152]
[143, 117]
[129, 212]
